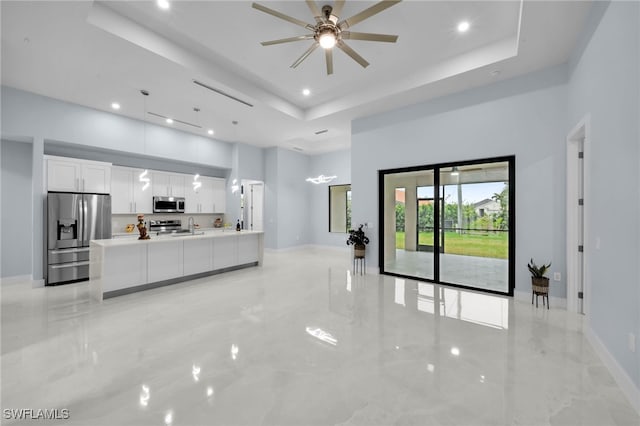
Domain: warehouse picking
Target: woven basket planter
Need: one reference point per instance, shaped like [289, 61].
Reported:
[540, 285]
[358, 250]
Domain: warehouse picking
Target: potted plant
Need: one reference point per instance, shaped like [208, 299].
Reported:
[539, 282]
[359, 240]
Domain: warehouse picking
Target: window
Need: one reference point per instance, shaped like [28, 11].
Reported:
[339, 208]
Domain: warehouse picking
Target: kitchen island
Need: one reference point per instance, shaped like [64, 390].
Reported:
[123, 266]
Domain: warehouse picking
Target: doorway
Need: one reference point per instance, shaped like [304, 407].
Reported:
[252, 205]
[577, 220]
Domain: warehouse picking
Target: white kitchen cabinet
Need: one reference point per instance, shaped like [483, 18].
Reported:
[225, 251]
[168, 184]
[126, 266]
[248, 248]
[164, 260]
[74, 175]
[219, 195]
[200, 198]
[96, 178]
[131, 191]
[120, 266]
[197, 256]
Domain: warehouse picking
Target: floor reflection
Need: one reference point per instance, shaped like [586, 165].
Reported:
[301, 341]
[472, 271]
[465, 305]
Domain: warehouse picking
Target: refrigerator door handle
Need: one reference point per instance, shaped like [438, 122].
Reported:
[69, 265]
[72, 250]
[85, 222]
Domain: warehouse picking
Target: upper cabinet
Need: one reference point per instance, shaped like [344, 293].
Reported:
[131, 191]
[205, 195]
[73, 175]
[168, 184]
[219, 195]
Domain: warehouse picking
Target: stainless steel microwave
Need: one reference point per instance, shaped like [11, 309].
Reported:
[168, 204]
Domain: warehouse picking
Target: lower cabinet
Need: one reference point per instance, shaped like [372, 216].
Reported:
[225, 252]
[248, 249]
[198, 256]
[127, 267]
[165, 260]
[128, 263]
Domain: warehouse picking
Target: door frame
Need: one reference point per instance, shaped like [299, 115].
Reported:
[580, 132]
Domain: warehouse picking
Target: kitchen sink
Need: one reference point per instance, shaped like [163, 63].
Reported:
[186, 233]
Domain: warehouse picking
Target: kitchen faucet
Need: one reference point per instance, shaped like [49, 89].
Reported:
[191, 225]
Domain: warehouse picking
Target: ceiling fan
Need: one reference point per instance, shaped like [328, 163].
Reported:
[329, 30]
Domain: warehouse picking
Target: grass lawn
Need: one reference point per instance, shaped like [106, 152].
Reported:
[482, 245]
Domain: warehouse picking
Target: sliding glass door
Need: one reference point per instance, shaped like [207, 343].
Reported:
[409, 223]
[465, 239]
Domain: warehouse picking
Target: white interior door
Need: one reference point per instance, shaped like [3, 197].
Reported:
[253, 207]
[577, 239]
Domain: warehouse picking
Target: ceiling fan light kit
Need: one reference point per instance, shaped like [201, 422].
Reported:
[329, 31]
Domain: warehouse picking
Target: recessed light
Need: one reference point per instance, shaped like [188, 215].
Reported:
[115, 105]
[163, 4]
[169, 121]
[464, 26]
[455, 351]
[306, 92]
[210, 131]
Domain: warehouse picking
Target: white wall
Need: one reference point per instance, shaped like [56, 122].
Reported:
[603, 83]
[270, 198]
[525, 117]
[338, 164]
[248, 163]
[28, 114]
[15, 214]
[287, 220]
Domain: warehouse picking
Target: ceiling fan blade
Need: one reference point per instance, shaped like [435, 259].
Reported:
[282, 16]
[314, 10]
[337, 7]
[367, 13]
[349, 51]
[328, 54]
[287, 40]
[313, 47]
[350, 35]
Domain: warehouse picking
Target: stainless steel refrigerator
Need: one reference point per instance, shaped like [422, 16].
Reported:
[73, 220]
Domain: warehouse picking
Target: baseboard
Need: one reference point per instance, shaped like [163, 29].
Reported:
[16, 279]
[620, 376]
[286, 249]
[345, 249]
[554, 302]
[307, 247]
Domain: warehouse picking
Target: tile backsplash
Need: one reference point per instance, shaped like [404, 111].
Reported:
[120, 221]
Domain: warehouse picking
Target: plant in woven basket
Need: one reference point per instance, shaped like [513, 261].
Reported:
[539, 281]
[359, 240]
[538, 271]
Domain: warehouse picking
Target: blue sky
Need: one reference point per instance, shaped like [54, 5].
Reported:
[471, 192]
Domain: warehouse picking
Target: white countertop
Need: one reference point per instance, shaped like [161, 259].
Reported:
[210, 233]
[135, 232]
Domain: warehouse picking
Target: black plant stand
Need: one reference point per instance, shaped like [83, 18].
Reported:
[361, 263]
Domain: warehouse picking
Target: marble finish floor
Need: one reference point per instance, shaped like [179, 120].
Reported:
[479, 272]
[300, 341]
